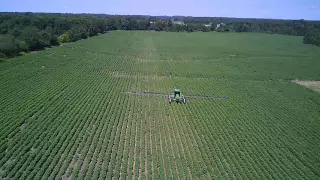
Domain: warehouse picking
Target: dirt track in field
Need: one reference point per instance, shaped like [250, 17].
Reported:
[314, 85]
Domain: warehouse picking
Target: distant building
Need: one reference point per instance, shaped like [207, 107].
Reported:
[207, 25]
[221, 24]
[178, 22]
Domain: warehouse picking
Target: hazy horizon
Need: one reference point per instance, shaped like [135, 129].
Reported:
[272, 9]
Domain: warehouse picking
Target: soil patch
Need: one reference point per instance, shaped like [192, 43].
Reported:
[314, 85]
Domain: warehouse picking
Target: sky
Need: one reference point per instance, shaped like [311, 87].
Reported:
[275, 9]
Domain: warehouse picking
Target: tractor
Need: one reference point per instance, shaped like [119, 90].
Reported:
[177, 96]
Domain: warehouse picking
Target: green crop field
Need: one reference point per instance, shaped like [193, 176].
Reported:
[72, 112]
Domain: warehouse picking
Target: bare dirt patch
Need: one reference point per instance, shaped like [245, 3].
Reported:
[314, 85]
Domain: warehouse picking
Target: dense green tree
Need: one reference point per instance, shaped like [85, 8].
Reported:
[204, 28]
[79, 32]
[2, 55]
[143, 24]
[22, 45]
[110, 25]
[133, 24]
[64, 38]
[241, 27]
[53, 35]
[33, 37]
[312, 37]
[159, 26]
[32, 31]
[16, 31]
[44, 38]
[8, 46]
[213, 27]
[169, 24]
[178, 28]
[124, 23]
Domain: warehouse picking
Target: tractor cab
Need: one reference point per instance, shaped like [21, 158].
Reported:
[177, 96]
[177, 93]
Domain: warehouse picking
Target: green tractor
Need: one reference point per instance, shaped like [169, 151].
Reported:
[177, 96]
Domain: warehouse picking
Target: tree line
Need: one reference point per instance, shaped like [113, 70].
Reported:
[23, 32]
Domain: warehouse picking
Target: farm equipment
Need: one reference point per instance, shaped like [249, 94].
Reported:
[177, 96]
